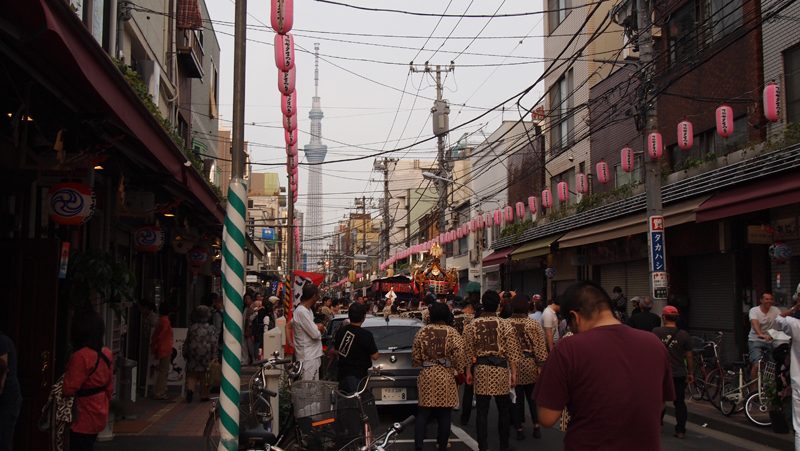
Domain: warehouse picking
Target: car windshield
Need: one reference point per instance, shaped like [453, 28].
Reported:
[400, 337]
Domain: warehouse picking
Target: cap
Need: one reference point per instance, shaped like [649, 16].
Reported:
[274, 299]
[670, 310]
[536, 297]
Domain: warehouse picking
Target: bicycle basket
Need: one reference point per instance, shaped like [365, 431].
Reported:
[769, 371]
[313, 397]
[349, 425]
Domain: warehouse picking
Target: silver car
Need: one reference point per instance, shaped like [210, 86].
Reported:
[394, 337]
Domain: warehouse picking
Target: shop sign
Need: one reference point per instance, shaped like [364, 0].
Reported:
[660, 284]
[268, 233]
[658, 262]
[757, 234]
[785, 229]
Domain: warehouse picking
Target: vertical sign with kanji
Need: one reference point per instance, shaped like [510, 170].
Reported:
[658, 261]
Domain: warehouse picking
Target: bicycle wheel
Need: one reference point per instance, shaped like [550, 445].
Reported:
[711, 387]
[729, 395]
[697, 389]
[211, 431]
[757, 410]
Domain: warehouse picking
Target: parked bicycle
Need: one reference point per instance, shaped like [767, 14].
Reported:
[706, 362]
[367, 414]
[736, 386]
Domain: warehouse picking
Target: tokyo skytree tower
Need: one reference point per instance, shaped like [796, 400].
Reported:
[315, 153]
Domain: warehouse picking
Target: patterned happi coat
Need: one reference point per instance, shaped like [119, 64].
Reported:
[530, 336]
[439, 350]
[491, 336]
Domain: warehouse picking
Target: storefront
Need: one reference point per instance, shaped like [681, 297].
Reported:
[494, 269]
[528, 264]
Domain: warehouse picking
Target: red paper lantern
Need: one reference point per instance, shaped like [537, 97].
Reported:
[772, 102]
[655, 145]
[286, 81]
[532, 205]
[290, 137]
[291, 150]
[289, 104]
[520, 210]
[498, 217]
[148, 239]
[685, 135]
[547, 198]
[626, 158]
[724, 121]
[290, 122]
[602, 172]
[282, 16]
[284, 51]
[563, 191]
[581, 183]
[509, 216]
[71, 203]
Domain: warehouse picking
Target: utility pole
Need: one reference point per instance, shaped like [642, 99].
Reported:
[441, 126]
[385, 233]
[649, 114]
[291, 227]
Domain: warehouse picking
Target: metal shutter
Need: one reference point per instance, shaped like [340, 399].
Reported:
[613, 275]
[637, 283]
[712, 299]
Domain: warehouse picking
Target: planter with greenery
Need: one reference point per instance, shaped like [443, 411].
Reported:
[96, 278]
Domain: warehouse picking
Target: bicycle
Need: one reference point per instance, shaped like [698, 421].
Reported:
[382, 441]
[706, 357]
[256, 415]
[736, 388]
[365, 432]
[757, 405]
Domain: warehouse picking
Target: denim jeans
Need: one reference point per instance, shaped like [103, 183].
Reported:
[503, 403]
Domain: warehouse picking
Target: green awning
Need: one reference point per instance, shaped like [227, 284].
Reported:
[535, 248]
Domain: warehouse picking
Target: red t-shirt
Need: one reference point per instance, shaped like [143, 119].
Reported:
[93, 409]
[614, 381]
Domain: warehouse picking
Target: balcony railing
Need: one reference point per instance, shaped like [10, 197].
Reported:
[190, 53]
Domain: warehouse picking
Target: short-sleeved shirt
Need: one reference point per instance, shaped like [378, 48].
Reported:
[678, 343]
[11, 389]
[355, 347]
[614, 381]
[645, 320]
[550, 319]
[766, 320]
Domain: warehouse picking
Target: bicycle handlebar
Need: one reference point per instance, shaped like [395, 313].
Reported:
[365, 381]
[272, 361]
[395, 429]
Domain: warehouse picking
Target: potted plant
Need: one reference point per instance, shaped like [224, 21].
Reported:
[775, 400]
[96, 277]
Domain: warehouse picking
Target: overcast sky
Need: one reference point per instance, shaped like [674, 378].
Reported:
[360, 114]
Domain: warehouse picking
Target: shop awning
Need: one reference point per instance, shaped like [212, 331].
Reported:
[771, 193]
[499, 256]
[675, 214]
[56, 38]
[535, 248]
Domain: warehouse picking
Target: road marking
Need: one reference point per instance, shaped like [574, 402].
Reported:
[721, 436]
[464, 437]
[157, 416]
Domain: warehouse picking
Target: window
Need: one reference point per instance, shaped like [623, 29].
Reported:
[700, 23]
[791, 67]
[682, 37]
[721, 18]
[561, 117]
[557, 13]
[213, 94]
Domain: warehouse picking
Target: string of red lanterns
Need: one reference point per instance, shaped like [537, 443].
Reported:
[282, 19]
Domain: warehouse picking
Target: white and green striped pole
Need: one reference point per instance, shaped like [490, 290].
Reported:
[233, 242]
[233, 289]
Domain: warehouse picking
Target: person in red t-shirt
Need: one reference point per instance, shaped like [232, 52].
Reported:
[161, 348]
[89, 378]
[613, 379]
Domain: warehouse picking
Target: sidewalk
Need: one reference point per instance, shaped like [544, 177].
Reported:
[703, 414]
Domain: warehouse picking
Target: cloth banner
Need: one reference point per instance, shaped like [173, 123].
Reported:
[300, 279]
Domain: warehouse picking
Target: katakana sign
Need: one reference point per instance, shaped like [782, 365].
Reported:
[658, 261]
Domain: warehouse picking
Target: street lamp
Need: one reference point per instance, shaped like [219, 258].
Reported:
[432, 176]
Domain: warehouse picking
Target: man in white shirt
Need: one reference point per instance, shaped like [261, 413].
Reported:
[762, 318]
[550, 324]
[307, 334]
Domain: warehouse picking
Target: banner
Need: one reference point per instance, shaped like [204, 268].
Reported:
[300, 279]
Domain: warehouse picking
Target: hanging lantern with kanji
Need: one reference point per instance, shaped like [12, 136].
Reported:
[547, 198]
[772, 102]
[603, 175]
[724, 121]
[532, 205]
[286, 81]
[282, 16]
[626, 159]
[148, 239]
[509, 214]
[563, 191]
[292, 152]
[71, 203]
[284, 51]
[685, 135]
[520, 210]
[289, 104]
[581, 183]
[290, 137]
[498, 217]
[655, 145]
[290, 122]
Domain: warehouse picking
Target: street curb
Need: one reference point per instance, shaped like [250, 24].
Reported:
[720, 423]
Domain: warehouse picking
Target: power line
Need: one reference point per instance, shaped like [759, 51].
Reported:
[470, 16]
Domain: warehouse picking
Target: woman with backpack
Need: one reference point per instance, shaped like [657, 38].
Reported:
[89, 377]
